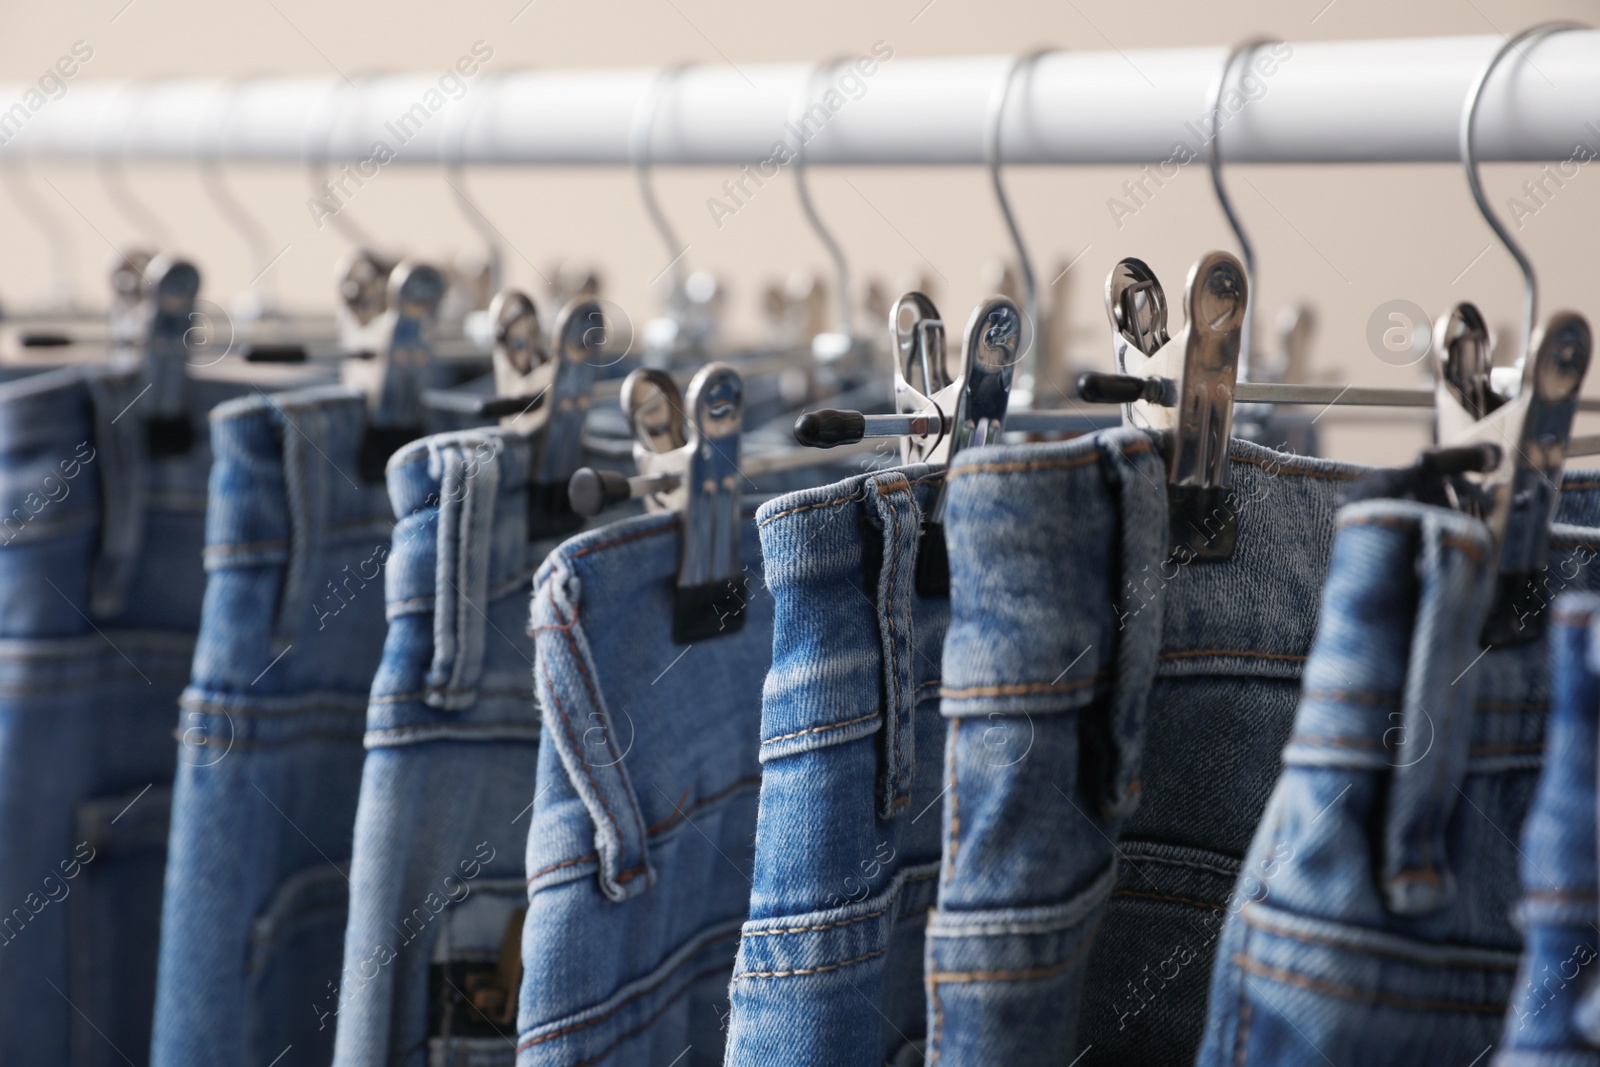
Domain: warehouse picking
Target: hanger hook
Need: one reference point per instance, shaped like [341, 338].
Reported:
[1469, 157]
[640, 145]
[841, 266]
[319, 151]
[1214, 159]
[230, 206]
[48, 223]
[456, 178]
[115, 182]
[992, 157]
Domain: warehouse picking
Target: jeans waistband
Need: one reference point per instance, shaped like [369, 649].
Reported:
[860, 533]
[285, 484]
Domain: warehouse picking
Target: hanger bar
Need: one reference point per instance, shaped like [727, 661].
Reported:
[1324, 102]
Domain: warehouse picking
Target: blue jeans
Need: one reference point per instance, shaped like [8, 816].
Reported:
[271, 726]
[829, 971]
[640, 849]
[100, 589]
[1552, 1020]
[1371, 921]
[436, 877]
[1116, 717]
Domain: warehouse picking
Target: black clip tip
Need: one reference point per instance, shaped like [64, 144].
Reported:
[829, 427]
[591, 492]
[1095, 387]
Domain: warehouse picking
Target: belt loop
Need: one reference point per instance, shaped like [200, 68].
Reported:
[896, 505]
[119, 455]
[305, 444]
[468, 471]
[1114, 746]
[577, 721]
[1430, 745]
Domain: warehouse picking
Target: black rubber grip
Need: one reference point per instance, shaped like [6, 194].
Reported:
[1098, 388]
[829, 427]
[591, 492]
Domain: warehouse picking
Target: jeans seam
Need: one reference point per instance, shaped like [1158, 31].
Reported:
[636, 536]
[1365, 996]
[811, 970]
[1267, 926]
[955, 804]
[891, 690]
[820, 729]
[575, 1027]
[1172, 898]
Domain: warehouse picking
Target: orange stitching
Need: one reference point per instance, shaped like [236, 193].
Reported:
[959, 977]
[1142, 895]
[575, 1027]
[683, 813]
[1276, 470]
[1241, 1040]
[1021, 688]
[820, 729]
[1261, 923]
[838, 501]
[563, 863]
[639, 535]
[816, 929]
[1364, 996]
[810, 970]
[1037, 464]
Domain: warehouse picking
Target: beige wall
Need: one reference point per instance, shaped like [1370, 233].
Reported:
[1343, 240]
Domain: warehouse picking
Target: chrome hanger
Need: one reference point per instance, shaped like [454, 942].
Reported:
[455, 176]
[1504, 432]
[318, 157]
[677, 335]
[166, 317]
[1214, 165]
[829, 346]
[115, 182]
[1035, 354]
[235, 211]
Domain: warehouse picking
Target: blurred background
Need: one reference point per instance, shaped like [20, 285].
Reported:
[1341, 241]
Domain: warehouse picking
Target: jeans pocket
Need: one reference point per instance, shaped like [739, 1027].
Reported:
[473, 979]
[1309, 991]
[296, 949]
[114, 921]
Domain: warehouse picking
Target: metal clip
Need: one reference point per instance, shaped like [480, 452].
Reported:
[362, 281]
[395, 376]
[1522, 442]
[580, 334]
[167, 314]
[689, 465]
[1185, 385]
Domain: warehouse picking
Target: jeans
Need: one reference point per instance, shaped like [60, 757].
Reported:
[640, 850]
[1116, 716]
[829, 970]
[271, 725]
[1371, 922]
[100, 590]
[1552, 1020]
[436, 875]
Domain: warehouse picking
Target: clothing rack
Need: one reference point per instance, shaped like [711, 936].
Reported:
[1389, 101]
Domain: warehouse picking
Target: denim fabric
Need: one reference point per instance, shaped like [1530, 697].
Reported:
[100, 590]
[271, 726]
[1153, 696]
[1371, 922]
[436, 878]
[1551, 1022]
[829, 970]
[640, 851]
